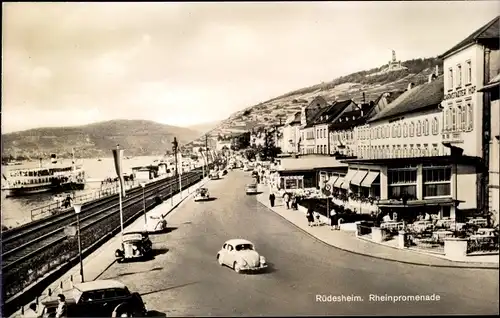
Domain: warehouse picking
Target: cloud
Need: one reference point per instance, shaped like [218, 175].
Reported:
[183, 63]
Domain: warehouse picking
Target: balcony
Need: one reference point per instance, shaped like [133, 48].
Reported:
[453, 137]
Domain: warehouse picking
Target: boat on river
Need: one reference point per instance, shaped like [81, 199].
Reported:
[55, 178]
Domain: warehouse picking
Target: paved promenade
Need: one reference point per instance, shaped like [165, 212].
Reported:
[347, 240]
[96, 263]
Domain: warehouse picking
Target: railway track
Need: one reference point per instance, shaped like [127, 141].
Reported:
[37, 228]
[26, 244]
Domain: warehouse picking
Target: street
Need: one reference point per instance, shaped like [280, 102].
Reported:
[185, 279]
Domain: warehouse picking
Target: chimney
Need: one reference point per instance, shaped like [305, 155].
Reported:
[410, 86]
[364, 98]
[437, 71]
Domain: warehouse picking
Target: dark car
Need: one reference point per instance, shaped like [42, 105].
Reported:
[135, 245]
[100, 298]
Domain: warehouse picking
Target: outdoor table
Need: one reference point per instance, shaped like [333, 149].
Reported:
[439, 235]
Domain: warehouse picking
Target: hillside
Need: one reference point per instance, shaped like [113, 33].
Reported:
[351, 86]
[137, 137]
[204, 127]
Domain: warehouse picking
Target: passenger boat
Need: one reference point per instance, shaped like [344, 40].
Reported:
[55, 178]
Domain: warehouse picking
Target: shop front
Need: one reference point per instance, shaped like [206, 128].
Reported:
[440, 186]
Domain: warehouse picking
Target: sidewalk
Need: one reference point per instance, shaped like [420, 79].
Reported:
[99, 261]
[347, 240]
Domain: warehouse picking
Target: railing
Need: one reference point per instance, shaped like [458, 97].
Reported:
[425, 241]
[482, 244]
[56, 207]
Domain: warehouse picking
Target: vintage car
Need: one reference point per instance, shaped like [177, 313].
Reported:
[251, 188]
[135, 245]
[214, 175]
[99, 298]
[156, 223]
[201, 194]
[240, 255]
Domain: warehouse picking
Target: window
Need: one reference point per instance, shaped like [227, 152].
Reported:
[446, 120]
[396, 192]
[435, 126]
[463, 118]
[468, 72]
[453, 119]
[426, 127]
[402, 176]
[399, 130]
[470, 124]
[435, 151]
[383, 132]
[419, 128]
[450, 78]
[417, 151]
[437, 181]
[405, 130]
[412, 129]
[459, 75]
[317, 149]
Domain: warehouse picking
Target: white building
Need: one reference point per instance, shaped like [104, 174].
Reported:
[291, 134]
[467, 118]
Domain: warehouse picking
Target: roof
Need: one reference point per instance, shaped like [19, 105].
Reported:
[435, 160]
[416, 99]
[343, 125]
[99, 284]
[487, 31]
[494, 83]
[235, 242]
[296, 118]
[332, 111]
[309, 163]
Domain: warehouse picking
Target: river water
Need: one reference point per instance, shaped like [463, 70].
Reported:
[17, 210]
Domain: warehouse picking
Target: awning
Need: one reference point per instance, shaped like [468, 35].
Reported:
[348, 178]
[332, 180]
[370, 178]
[338, 183]
[360, 175]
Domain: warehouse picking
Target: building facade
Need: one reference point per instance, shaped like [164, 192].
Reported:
[291, 133]
[307, 143]
[466, 109]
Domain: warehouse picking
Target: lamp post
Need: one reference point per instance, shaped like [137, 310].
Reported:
[143, 186]
[78, 208]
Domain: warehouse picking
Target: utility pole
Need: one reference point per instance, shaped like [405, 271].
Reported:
[206, 149]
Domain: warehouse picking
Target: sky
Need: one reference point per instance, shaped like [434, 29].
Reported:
[181, 64]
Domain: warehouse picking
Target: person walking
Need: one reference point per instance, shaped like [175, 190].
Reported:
[286, 196]
[310, 216]
[333, 219]
[294, 203]
[272, 198]
[62, 309]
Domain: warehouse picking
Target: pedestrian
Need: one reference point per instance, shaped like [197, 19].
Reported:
[286, 196]
[333, 219]
[294, 203]
[272, 198]
[62, 309]
[316, 216]
[309, 216]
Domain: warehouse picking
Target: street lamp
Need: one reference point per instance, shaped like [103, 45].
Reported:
[78, 208]
[143, 186]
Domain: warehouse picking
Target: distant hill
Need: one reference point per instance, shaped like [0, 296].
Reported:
[204, 127]
[137, 137]
[351, 86]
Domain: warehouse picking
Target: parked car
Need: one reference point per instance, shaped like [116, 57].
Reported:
[99, 298]
[214, 175]
[201, 194]
[240, 255]
[157, 223]
[251, 188]
[135, 245]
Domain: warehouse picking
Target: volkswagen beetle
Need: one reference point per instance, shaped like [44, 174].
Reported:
[240, 255]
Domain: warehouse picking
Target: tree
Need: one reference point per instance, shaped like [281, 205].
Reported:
[241, 141]
[269, 151]
[250, 153]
